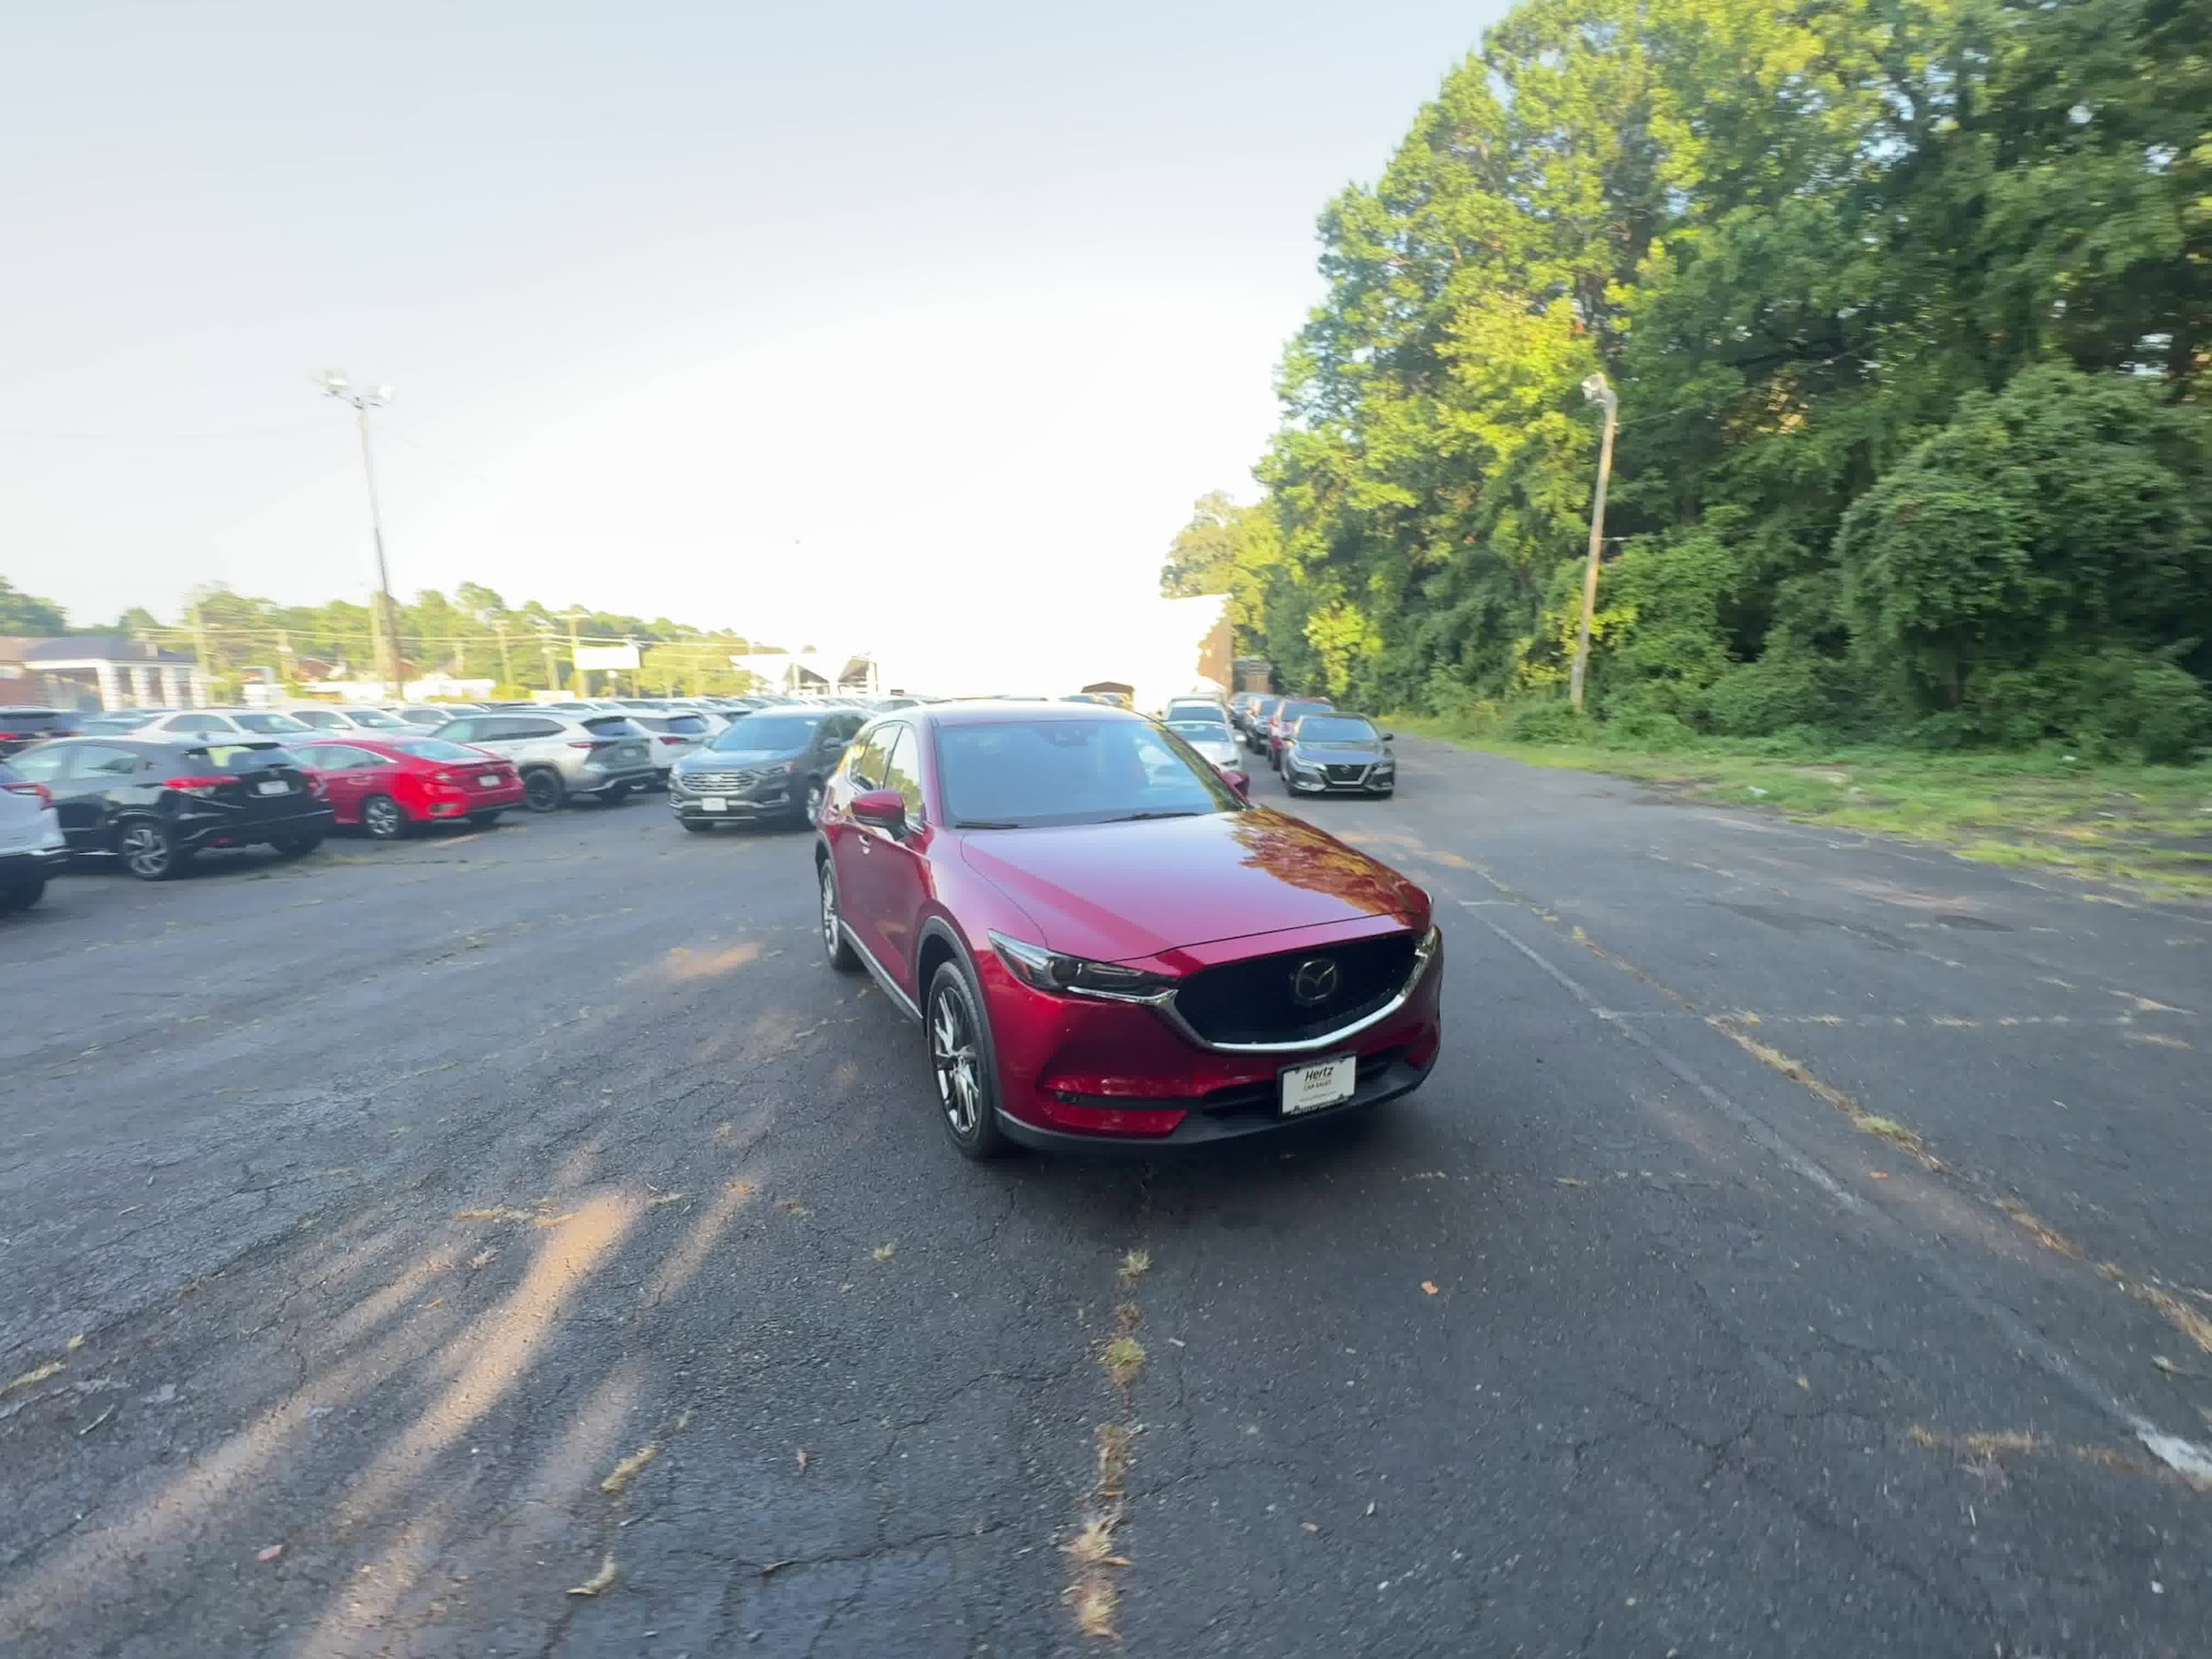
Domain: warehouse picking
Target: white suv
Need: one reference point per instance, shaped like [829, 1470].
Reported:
[30, 839]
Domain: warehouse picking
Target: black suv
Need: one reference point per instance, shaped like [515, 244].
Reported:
[154, 803]
[19, 728]
[769, 764]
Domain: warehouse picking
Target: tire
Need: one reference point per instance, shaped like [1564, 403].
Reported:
[485, 820]
[811, 812]
[836, 946]
[23, 895]
[543, 790]
[149, 851]
[698, 827]
[296, 846]
[382, 819]
[961, 1063]
[614, 794]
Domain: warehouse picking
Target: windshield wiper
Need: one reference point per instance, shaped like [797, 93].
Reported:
[1132, 817]
[984, 823]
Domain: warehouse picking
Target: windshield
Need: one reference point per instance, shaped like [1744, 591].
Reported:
[1023, 774]
[1289, 712]
[374, 719]
[1336, 728]
[435, 749]
[769, 731]
[271, 723]
[1200, 728]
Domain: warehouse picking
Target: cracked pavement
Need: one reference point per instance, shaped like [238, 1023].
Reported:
[376, 1207]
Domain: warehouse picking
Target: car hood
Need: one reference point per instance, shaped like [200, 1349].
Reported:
[1114, 892]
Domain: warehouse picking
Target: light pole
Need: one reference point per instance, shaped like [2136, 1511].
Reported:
[384, 613]
[1597, 391]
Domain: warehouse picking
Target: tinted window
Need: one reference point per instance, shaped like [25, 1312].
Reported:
[102, 760]
[42, 765]
[868, 765]
[613, 725]
[269, 722]
[1020, 773]
[1290, 711]
[371, 719]
[463, 730]
[688, 724]
[512, 727]
[322, 720]
[434, 748]
[427, 715]
[769, 731]
[24, 721]
[1336, 728]
[903, 772]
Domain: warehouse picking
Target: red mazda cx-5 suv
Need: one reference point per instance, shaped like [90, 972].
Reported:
[1105, 944]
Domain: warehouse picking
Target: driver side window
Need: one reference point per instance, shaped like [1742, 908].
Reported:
[865, 766]
[902, 772]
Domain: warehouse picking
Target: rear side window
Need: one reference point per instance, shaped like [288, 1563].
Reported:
[498, 730]
[435, 749]
[44, 764]
[323, 718]
[338, 758]
[611, 726]
[688, 724]
[104, 760]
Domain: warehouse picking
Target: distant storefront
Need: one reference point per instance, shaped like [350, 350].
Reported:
[99, 671]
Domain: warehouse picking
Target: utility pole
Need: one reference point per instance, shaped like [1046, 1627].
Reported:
[1597, 391]
[383, 614]
[506, 675]
[544, 625]
[579, 687]
[199, 648]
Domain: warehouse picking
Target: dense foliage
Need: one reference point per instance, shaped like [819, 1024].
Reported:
[1908, 303]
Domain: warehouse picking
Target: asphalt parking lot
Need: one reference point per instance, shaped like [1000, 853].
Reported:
[1801, 1247]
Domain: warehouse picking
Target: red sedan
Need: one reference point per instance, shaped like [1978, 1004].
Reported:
[389, 785]
[1105, 944]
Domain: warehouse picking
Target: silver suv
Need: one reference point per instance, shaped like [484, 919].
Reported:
[562, 755]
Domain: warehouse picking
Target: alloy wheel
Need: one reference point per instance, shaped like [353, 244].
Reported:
[381, 817]
[541, 791]
[146, 852]
[952, 1055]
[814, 804]
[833, 933]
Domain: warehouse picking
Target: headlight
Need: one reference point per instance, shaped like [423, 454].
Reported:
[1048, 971]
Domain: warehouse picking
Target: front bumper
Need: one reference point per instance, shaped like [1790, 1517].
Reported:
[1077, 1072]
[782, 795]
[1369, 781]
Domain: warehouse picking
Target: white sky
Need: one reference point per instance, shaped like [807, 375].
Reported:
[826, 323]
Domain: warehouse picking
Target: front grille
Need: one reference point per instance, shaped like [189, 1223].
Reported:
[1345, 774]
[1253, 1000]
[719, 782]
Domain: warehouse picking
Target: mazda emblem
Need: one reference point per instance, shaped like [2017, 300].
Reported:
[1313, 982]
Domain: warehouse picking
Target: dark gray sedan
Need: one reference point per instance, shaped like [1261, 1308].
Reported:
[1332, 753]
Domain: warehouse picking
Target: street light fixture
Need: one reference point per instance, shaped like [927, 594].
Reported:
[1596, 389]
[385, 614]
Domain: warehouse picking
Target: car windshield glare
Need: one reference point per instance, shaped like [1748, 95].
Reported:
[1336, 728]
[768, 732]
[1019, 774]
[374, 719]
[251, 722]
[435, 749]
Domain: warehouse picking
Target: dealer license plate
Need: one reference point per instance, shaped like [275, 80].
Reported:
[713, 804]
[275, 786]
[488, 781]
[1308, 1088]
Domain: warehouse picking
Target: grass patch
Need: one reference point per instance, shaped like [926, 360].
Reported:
[1123, 1358]
[2150, 826]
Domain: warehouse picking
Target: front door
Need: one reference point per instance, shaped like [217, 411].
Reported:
[894, 870]
[88, 773]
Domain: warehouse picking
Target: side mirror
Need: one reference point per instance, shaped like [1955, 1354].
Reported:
[1389, 736]
[881, 808]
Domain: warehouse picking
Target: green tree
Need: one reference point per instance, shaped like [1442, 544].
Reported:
[23, 613]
